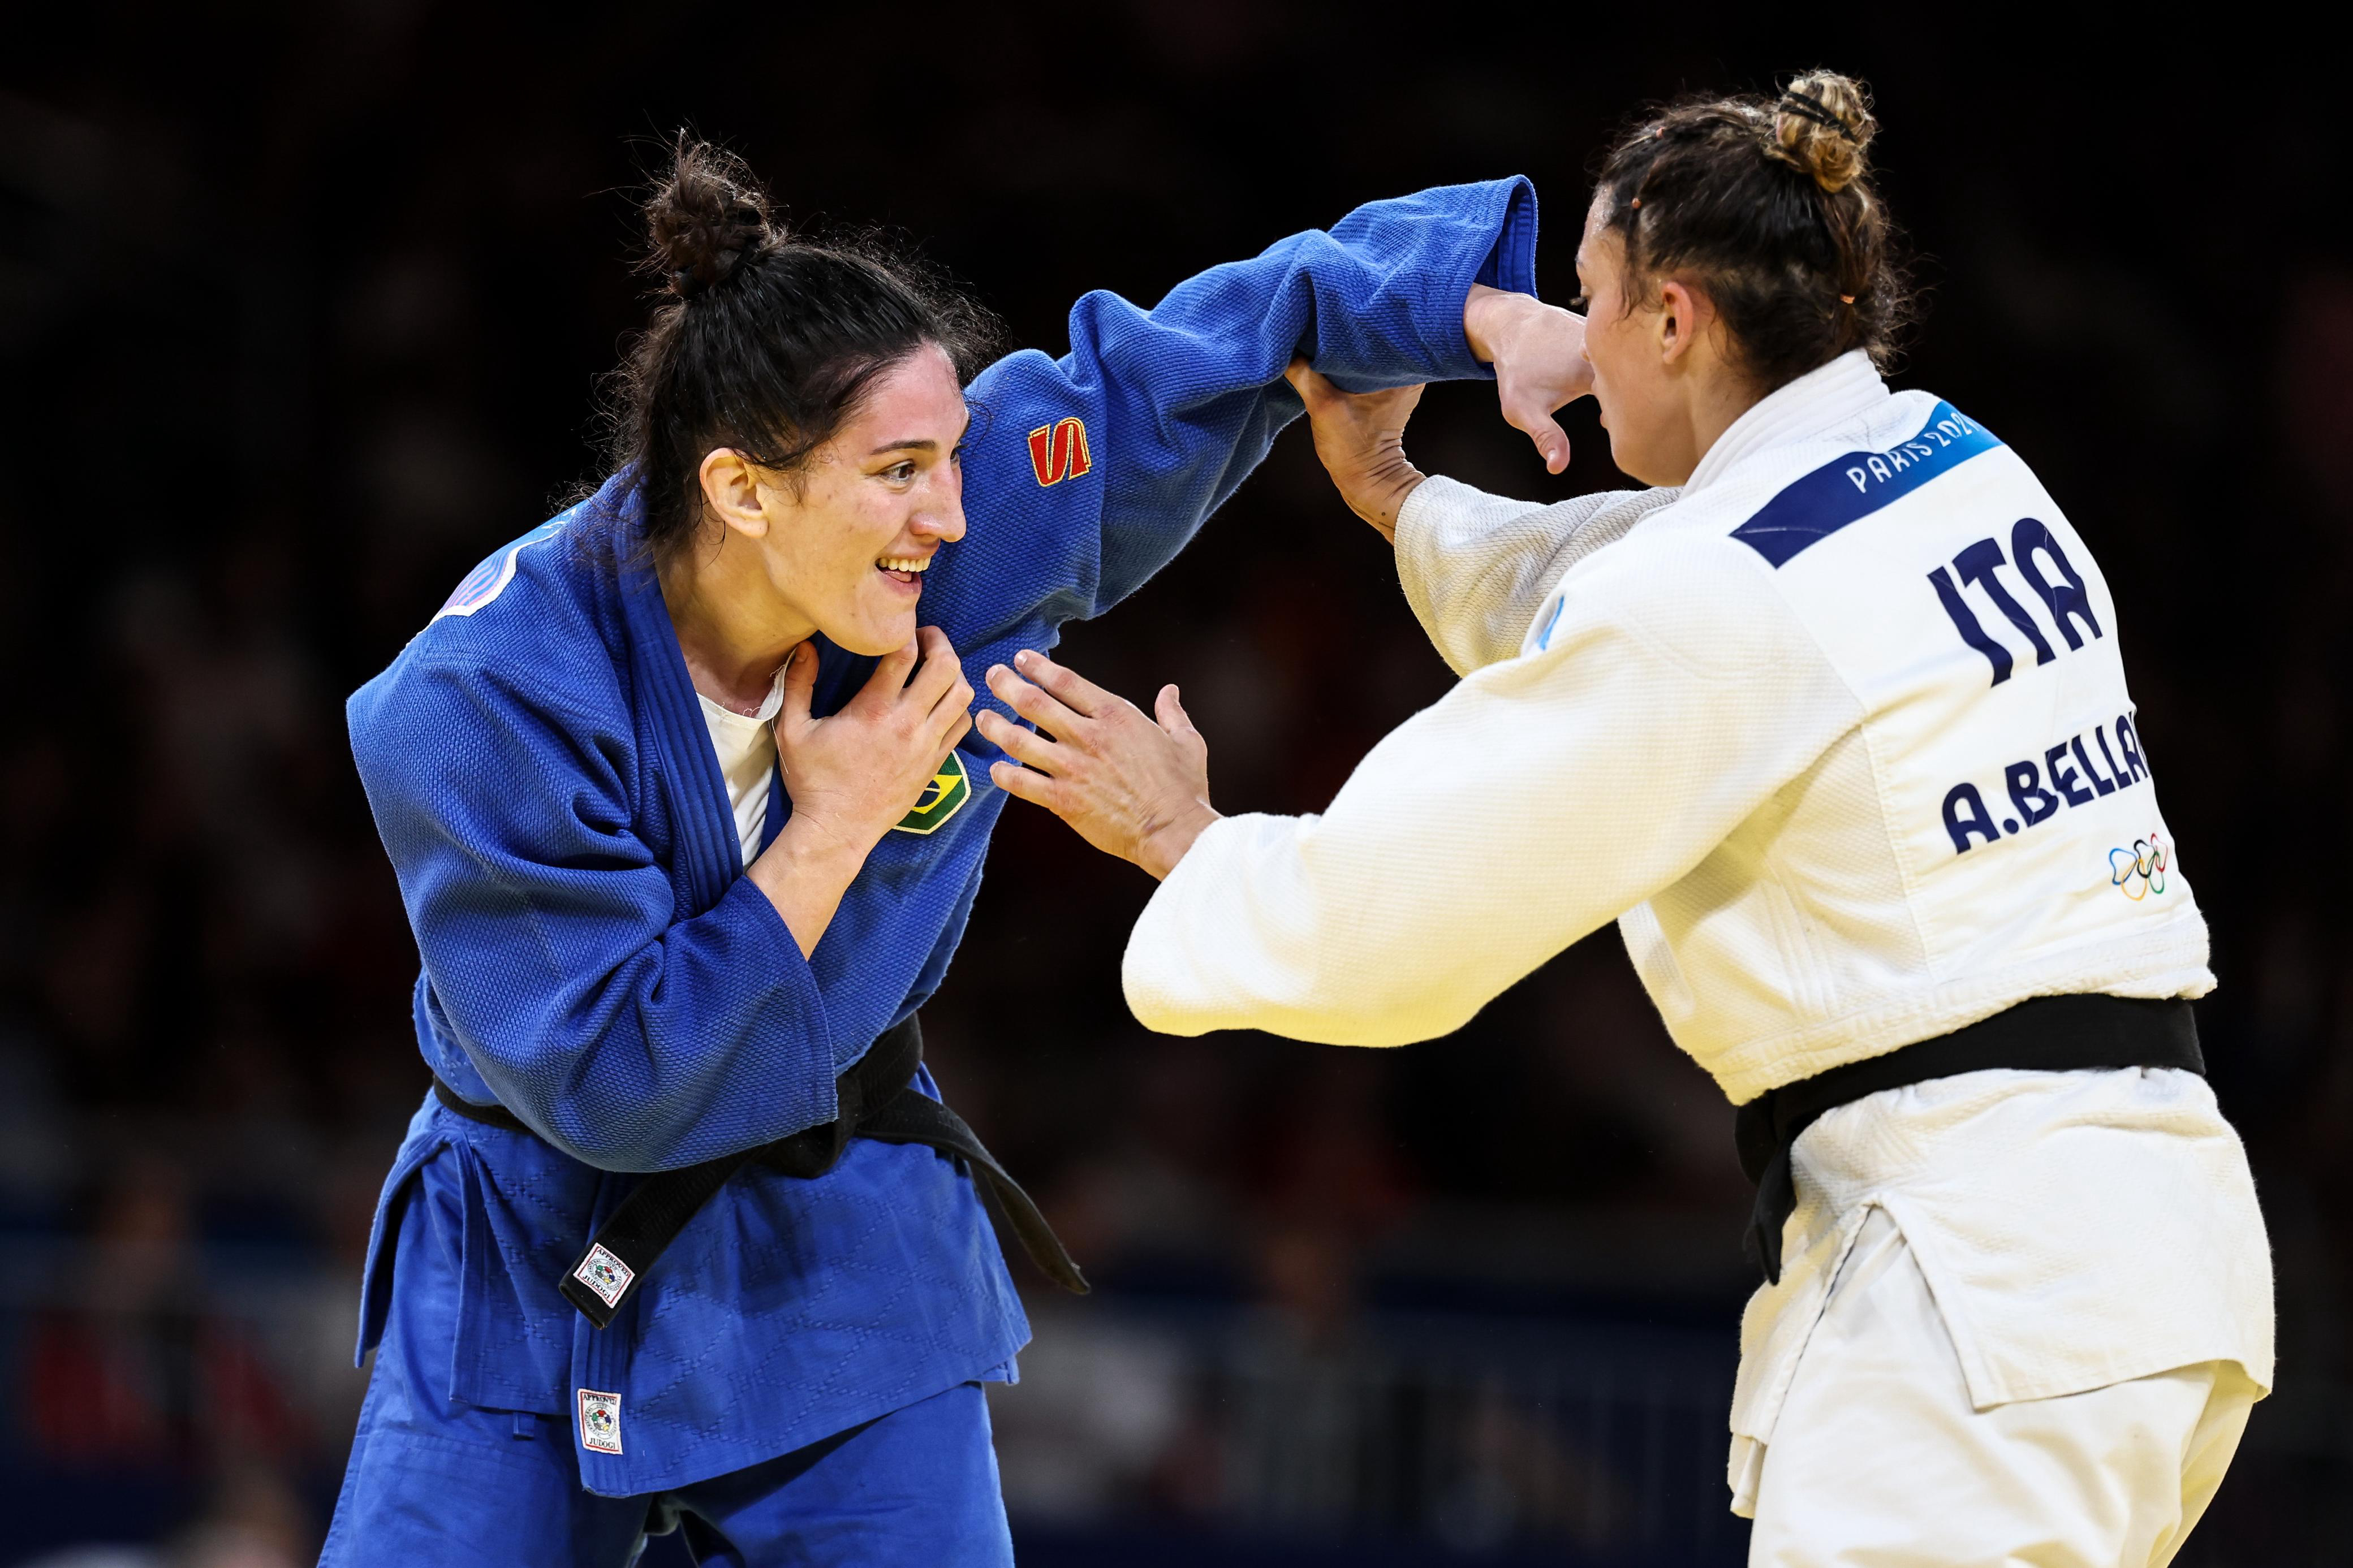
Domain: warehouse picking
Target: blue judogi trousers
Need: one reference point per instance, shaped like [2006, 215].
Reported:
[433, 1481]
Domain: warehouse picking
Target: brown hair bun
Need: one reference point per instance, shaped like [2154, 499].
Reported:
[1822, 124]
[1767, 205]
[705, 218]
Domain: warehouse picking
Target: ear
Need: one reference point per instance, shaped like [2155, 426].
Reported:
[730, 490]
[1685, 314]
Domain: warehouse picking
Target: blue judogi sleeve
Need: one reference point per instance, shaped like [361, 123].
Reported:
[1174, 407]
[628, 1037]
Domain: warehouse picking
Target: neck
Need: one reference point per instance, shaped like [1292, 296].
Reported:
[733, 627]
[1714, 398]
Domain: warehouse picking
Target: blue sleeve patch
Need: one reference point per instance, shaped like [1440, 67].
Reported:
[1849, 489]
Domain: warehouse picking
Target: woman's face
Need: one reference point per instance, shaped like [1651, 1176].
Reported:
[1634, 380]
[850, 536]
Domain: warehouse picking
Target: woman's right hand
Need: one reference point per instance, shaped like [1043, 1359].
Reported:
[1360, 437]
[852, 776]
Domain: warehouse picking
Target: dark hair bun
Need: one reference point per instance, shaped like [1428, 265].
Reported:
[705, 218]
[1823, 124]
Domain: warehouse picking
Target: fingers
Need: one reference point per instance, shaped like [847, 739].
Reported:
[1033, 703]
[940, 673]
[889, 677]
[1314, 389]
[944, 671]
[1552, 441]
[1024, 745]
[1073, 690]
[1023, 784]
[1169, 709]
[800, 686]
[959, 725]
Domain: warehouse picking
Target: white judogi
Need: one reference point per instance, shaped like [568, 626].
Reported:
[1839, 733]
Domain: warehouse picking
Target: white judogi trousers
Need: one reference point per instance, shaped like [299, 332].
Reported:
[1881, 1460]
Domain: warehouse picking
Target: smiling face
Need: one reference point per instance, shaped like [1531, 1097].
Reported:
[848, 536]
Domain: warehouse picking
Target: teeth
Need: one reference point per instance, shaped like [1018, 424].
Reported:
[904, 564]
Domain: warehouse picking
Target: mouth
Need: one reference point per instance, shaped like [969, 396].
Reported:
[906, 571]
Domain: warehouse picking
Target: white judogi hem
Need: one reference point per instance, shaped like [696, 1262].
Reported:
[1889, 1459]
[2075, 1231]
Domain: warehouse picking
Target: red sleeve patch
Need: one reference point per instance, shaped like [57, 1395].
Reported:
[1058, 451]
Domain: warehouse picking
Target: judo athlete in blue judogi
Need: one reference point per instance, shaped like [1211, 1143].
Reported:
[651, 944]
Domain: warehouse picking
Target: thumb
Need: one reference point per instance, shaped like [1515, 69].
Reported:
[1171, 712]
[1552, 441]
[800, 687]
[1309, 383]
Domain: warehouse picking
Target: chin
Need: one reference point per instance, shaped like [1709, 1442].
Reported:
[873, 639]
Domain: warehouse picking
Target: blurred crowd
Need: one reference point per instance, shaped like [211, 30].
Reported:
[302, 312]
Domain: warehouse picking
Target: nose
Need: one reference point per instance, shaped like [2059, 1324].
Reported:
[941, 517]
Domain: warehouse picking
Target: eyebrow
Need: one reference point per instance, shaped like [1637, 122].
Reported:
[919, 443]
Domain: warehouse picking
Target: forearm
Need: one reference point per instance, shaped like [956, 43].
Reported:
[709, 1037]
[1477, 567]
[803, 874]
[1540, 799]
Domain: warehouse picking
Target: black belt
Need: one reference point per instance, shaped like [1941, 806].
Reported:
[2047, 1033]
[877, 1099]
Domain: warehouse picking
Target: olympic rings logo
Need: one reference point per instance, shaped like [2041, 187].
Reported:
[2139, 871]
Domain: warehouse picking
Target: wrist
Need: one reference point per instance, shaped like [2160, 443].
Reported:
[1382, 507]
[1162, 846]
[818, 848]
[1489, 316]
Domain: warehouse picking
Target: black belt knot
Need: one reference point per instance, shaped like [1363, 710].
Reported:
[875, 1097]
[2046, 1033]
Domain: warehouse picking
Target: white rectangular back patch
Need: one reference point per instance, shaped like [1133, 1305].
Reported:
[600, 1422]
[604, 1274]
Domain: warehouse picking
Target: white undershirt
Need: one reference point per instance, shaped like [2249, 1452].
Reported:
[746, 744]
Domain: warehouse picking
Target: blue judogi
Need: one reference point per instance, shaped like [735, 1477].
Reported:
[595, 961]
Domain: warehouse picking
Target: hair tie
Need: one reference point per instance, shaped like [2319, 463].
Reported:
[687, 286]
[1846, 299]
[1815, 109]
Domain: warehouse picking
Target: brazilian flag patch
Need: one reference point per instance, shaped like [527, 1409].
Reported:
[942, 798]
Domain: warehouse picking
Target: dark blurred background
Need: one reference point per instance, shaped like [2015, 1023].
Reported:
[302, 309]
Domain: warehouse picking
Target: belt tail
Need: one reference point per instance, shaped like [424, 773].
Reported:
[649, 1220]
[912, 1117]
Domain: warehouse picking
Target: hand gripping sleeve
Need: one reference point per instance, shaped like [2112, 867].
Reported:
[1179, 403]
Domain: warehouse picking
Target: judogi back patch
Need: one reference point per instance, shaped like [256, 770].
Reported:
[600, 1421]
[942, 798]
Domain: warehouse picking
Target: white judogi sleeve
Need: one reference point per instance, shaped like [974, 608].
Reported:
[1475, 566]
[1539, 799]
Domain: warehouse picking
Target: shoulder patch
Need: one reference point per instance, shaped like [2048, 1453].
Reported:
[1058, 451]
[942, 798]
[1851, 488]
[488, 581]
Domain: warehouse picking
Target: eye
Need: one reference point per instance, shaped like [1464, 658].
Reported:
[900, 472]
[1582, 303]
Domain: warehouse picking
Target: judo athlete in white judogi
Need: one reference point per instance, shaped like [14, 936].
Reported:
[1834, 723]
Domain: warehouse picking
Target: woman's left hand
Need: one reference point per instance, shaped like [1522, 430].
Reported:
[1538, 353]
[1131, 787]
